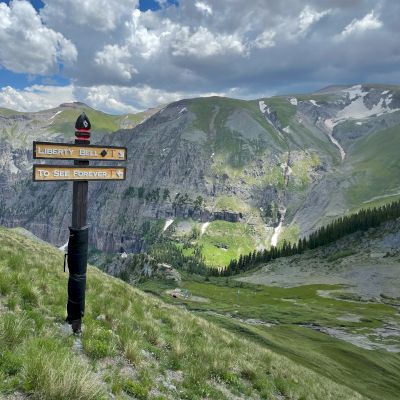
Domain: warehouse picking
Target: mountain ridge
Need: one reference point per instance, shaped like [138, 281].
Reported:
[268, 169]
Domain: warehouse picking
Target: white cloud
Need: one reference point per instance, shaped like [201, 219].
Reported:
[121, 99]
[115, 59]
[203, 7]
[370, 21]
[307, 18]
[108, 98]
[36, 97]
[204, 43]
[143, 39]
[27, 45]
[97, 15]
[120, 58]
[265, 39]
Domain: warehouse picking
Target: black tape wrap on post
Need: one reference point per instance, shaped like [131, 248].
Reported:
[77, 265]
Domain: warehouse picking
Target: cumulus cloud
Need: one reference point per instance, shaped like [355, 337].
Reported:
[120, 58]
[36, 97]
[357, 26]
[308, 17]
[92, 15]
[203, 43]
[203, 7]
[117, 99]
[115, 59]
[109, 98]
[27, 45]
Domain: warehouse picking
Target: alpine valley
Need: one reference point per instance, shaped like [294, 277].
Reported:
[231, 175]
[208, 180]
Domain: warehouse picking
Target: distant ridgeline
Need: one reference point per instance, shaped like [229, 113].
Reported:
[361, 221]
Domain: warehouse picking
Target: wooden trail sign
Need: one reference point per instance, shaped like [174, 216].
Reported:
[80, 173]
[64, 151]
[50, 173]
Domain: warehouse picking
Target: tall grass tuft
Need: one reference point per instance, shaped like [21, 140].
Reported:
[51, 372]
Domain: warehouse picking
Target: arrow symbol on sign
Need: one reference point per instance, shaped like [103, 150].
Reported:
[119, 174]
[103, 153]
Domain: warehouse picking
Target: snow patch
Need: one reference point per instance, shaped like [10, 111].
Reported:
[293, 101]
[184, 109]
[53, 116]
[359, 123]
[203, 228]
[63, 247]
[314, 103]
[168, 222]
[286, 129]
[330, 125]
[354, 92]
[262, 106]
[358, 110]
[386, 92]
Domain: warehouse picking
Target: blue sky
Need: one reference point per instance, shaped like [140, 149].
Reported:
[127, 55]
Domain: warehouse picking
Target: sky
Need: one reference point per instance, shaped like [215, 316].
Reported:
[123, 56]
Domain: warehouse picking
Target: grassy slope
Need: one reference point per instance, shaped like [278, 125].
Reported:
[224, 241]
[375, 167]
[132, 344]
[101, 122]
[375, 373]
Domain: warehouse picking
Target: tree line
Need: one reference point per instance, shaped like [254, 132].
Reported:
[360, 221]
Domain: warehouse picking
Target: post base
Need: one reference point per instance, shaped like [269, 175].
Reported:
[76, 325]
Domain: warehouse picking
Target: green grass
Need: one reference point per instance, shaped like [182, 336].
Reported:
[101, 122]
[375, 171]
[224, 241]
[233, 148]
[375, 373]
[340, 254]
[131, 342]
[232, 203]
[290, 233]
[285, 110]
[6, 112]
[372, 373]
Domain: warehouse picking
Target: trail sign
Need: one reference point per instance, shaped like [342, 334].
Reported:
[49, 173]
[64, 151]
[80, 173]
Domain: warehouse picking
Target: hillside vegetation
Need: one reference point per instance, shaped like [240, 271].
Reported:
[132, 346]
[334, 309]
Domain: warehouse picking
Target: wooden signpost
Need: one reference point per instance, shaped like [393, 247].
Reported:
[80, 173]
[64, 151]
[48, 173]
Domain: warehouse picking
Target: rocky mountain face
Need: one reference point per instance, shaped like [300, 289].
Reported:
[135, 268]
[230, 175]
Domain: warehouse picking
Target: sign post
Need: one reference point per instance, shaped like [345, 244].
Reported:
[78, 236]
[80, 173]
